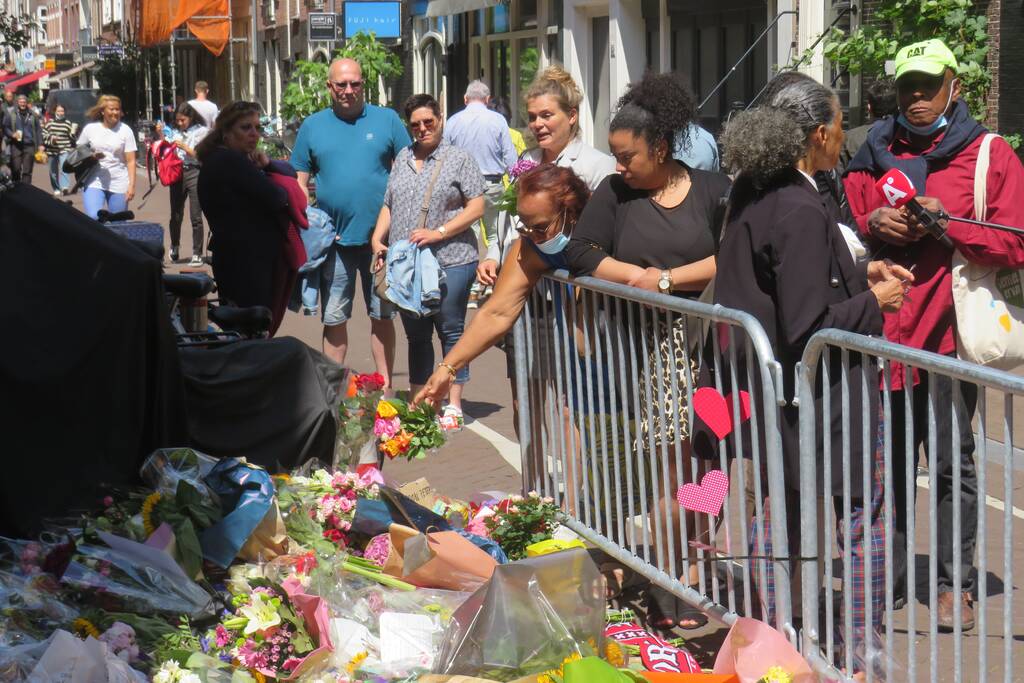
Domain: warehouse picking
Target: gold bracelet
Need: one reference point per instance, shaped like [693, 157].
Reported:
[449, 367]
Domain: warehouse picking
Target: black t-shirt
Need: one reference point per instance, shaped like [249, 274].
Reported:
[629, 226]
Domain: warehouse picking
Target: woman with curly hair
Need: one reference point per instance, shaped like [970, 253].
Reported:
[787, 260]
[654, 225]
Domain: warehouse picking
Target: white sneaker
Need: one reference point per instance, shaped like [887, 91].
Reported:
[197, 261]
[452, 419]
[58, 194]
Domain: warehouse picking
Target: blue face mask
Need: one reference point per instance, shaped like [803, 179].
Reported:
[554, 245]
[937, 125]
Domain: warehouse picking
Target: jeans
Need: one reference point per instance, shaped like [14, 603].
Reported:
[58, 178]
[93, 199]
[338, 285]
[449, 323]
[187, 187]
[964, 405]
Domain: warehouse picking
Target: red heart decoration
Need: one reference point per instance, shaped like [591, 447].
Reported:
[744, 405]
[710, 406]
[707, 496]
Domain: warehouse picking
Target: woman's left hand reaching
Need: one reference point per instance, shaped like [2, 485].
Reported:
[435, 390]
[423, 237]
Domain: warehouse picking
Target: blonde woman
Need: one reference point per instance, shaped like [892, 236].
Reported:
[112, 181]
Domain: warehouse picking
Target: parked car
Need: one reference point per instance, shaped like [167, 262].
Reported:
[76, 101]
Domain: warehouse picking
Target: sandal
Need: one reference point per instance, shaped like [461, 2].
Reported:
[620, 579]
[665, 611]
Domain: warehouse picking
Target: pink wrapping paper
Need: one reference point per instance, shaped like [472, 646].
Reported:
[752, 647]
[313, 610]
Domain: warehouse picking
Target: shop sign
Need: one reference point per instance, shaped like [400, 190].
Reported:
[323, 26]
[384, 19]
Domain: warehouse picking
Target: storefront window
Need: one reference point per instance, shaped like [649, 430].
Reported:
[529, 62]
[501, 83]
[527, 13]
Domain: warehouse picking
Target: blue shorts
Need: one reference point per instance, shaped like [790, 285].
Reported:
[338, 285]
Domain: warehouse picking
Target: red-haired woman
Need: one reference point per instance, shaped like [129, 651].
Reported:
[550, 201]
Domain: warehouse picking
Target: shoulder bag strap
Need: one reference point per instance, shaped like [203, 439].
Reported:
[425, 208]
[981, 177]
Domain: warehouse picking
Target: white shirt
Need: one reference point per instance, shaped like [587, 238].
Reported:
[115, 143]
[207, 109]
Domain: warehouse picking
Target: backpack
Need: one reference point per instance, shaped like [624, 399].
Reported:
[169, 166]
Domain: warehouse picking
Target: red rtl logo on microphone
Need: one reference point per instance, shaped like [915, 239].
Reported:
[896, 188]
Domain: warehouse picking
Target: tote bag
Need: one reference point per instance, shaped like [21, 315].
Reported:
[989, 301]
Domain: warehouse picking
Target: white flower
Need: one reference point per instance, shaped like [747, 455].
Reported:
[260, 613]
[190, 678]
[516, 499]
[513, 510]
[533, 494]
[169, 672]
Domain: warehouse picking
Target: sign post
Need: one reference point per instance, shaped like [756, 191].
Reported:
[323, 27]
[107, 51]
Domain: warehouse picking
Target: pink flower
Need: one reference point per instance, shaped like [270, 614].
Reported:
[291, 664]
[345, 505]
[252, 656]
[477, 527]
[108, 501]
[223, 635]
[378, 549]
[386, 428]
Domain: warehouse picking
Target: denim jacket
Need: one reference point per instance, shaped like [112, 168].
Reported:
[317, 240]
[414, 279]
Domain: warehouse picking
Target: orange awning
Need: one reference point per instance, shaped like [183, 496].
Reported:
[161, 17]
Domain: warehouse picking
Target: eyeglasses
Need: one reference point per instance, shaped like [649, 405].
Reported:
[540, 232]
[426, 124]
[342, 86]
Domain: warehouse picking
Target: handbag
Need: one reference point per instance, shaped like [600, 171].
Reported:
[80, 159]
[380, 278]
[169, 166]
[989, 301]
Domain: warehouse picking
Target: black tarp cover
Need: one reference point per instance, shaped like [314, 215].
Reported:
[90, 381]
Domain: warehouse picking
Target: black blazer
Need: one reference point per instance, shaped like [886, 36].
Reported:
[783, 260]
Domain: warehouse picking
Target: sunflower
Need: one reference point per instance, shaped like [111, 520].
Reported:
[84, 628]
[614, 654]
[147, 513]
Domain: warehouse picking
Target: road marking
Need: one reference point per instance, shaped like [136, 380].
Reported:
[922, 481]
[507, 449]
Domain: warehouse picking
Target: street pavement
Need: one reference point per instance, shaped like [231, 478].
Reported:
[484, 457]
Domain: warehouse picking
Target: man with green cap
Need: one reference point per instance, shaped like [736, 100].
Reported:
[935, 142]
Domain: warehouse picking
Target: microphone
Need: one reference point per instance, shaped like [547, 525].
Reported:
[898, 192]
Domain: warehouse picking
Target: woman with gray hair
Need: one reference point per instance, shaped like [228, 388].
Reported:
[786, 259]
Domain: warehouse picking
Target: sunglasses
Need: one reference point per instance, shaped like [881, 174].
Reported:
[537, 233]
[427, 124]
[342, 86]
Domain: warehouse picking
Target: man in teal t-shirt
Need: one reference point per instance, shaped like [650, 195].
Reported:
[349, 150]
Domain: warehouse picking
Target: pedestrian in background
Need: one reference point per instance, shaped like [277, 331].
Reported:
[112, 181]
[654, 225]
[350, 149]
[59, 136]
[207, 109]
[188, 132]
[936, 142]
[455, 185]
[881, 103]
[697, 148]
[24, 134]
[784, 260]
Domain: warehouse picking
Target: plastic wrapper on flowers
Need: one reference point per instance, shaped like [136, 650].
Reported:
[165, 467]
[752, 648]
[355, 443]
[32, 607]
[406, 431]
[527, 619]
[131, 577]
[320, 509]
[63, 657]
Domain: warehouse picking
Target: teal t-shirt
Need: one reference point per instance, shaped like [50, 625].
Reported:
[350, 161]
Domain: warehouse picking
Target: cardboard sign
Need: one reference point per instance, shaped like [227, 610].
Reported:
[420, 491]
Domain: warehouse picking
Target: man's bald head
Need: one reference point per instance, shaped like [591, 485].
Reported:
[345, 81]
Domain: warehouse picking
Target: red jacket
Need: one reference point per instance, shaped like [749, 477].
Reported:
[926, 320]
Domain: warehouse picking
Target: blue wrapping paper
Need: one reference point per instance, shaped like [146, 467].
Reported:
[246, 494]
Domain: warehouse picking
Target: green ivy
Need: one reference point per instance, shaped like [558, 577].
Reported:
[306, 92]
[900, 22]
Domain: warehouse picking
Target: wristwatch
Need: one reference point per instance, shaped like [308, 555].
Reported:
[443, 230]
[665, 282]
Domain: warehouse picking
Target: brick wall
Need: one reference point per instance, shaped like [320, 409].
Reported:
[994, 41]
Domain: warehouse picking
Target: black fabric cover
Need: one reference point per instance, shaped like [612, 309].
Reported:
[90, 381]
[270, 401]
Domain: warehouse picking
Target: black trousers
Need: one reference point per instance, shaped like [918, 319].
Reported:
[22, 160]
[187, 188]
[964, 403]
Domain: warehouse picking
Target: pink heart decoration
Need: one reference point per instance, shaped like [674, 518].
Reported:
[707, 496]
[710, 406]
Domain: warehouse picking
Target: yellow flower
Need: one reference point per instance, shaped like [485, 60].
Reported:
[777, 674]
[147, 513]
[260, 678]
[614, 654]
[84, 628]
[354, 663]
[386, 410]
[545, 678]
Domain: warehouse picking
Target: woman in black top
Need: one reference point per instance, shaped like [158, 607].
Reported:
[242, 206]
[786, 259]
[653, 225]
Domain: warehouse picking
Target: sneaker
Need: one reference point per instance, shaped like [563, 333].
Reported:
[452, 419]
[474, 299]
[174, 255]
[58, 194]
[197, 261]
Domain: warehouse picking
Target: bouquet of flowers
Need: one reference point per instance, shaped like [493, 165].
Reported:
[509, 198]
[406, 431]
[356, 415]
[321, 507]
[520, 521]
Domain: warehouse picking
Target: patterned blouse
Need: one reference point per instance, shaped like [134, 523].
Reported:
[458, 181]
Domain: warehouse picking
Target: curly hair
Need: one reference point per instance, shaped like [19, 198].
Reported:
[657, 108]
[567, 190]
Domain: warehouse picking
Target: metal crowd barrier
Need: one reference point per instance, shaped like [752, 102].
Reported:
[893, 652]
[586, 370]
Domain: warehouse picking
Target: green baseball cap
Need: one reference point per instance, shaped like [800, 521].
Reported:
[928, 56]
